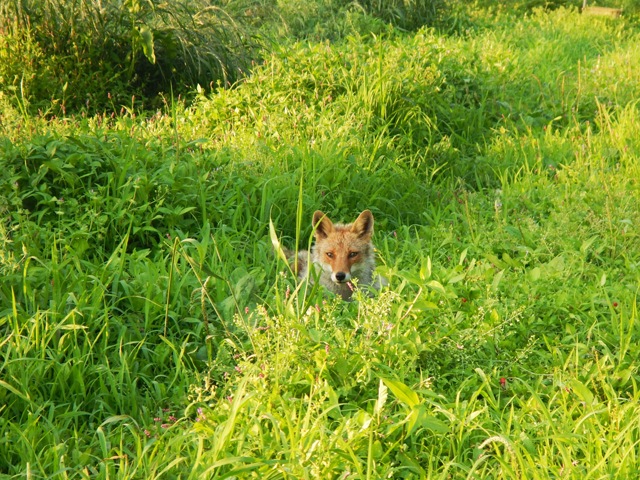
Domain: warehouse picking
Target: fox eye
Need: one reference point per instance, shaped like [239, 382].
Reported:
[353, 254]
[330, 254]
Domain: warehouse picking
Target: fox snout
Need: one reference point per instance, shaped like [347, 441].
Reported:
[340, 277]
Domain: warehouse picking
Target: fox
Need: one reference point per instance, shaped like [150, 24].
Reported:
[341, 253]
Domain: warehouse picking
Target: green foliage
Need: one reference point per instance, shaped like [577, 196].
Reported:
[336, 20]
[147, 329]
[428, 102]
[93, 55]
[406, 14]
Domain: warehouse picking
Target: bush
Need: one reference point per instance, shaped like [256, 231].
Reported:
[96, 55]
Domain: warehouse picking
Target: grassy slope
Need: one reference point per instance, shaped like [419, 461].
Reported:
[147, 330]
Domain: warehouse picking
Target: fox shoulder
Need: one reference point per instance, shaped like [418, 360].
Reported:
[298, 261]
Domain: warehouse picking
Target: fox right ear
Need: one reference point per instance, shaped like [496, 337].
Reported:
[322, 225]
[363, 226]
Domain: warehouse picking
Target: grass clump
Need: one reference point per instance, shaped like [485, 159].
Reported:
[94, 56]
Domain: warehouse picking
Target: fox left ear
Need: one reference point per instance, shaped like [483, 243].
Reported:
[322, 225]
[363, 226]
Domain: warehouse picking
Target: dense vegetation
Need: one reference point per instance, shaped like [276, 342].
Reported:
[147, 330]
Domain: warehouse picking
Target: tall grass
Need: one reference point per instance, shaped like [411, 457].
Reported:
[148, 331]
[428, 101]
[90, 56]
[96, 55]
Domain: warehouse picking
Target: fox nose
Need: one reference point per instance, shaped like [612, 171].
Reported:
[340, 276]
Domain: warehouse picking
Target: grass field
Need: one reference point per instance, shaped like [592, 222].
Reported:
[147, 330]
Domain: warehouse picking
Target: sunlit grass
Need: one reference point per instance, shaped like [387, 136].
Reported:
[148, 330]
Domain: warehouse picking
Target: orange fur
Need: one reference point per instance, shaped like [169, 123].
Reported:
[341, 253]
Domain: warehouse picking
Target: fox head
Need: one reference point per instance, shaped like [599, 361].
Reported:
[344, 251]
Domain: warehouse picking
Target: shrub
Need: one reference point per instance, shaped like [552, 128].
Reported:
[93, 54]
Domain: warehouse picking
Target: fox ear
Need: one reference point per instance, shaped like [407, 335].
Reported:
[363, 226]
[322, 225]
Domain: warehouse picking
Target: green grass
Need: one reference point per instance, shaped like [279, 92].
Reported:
[147, 330]
[61, 57]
